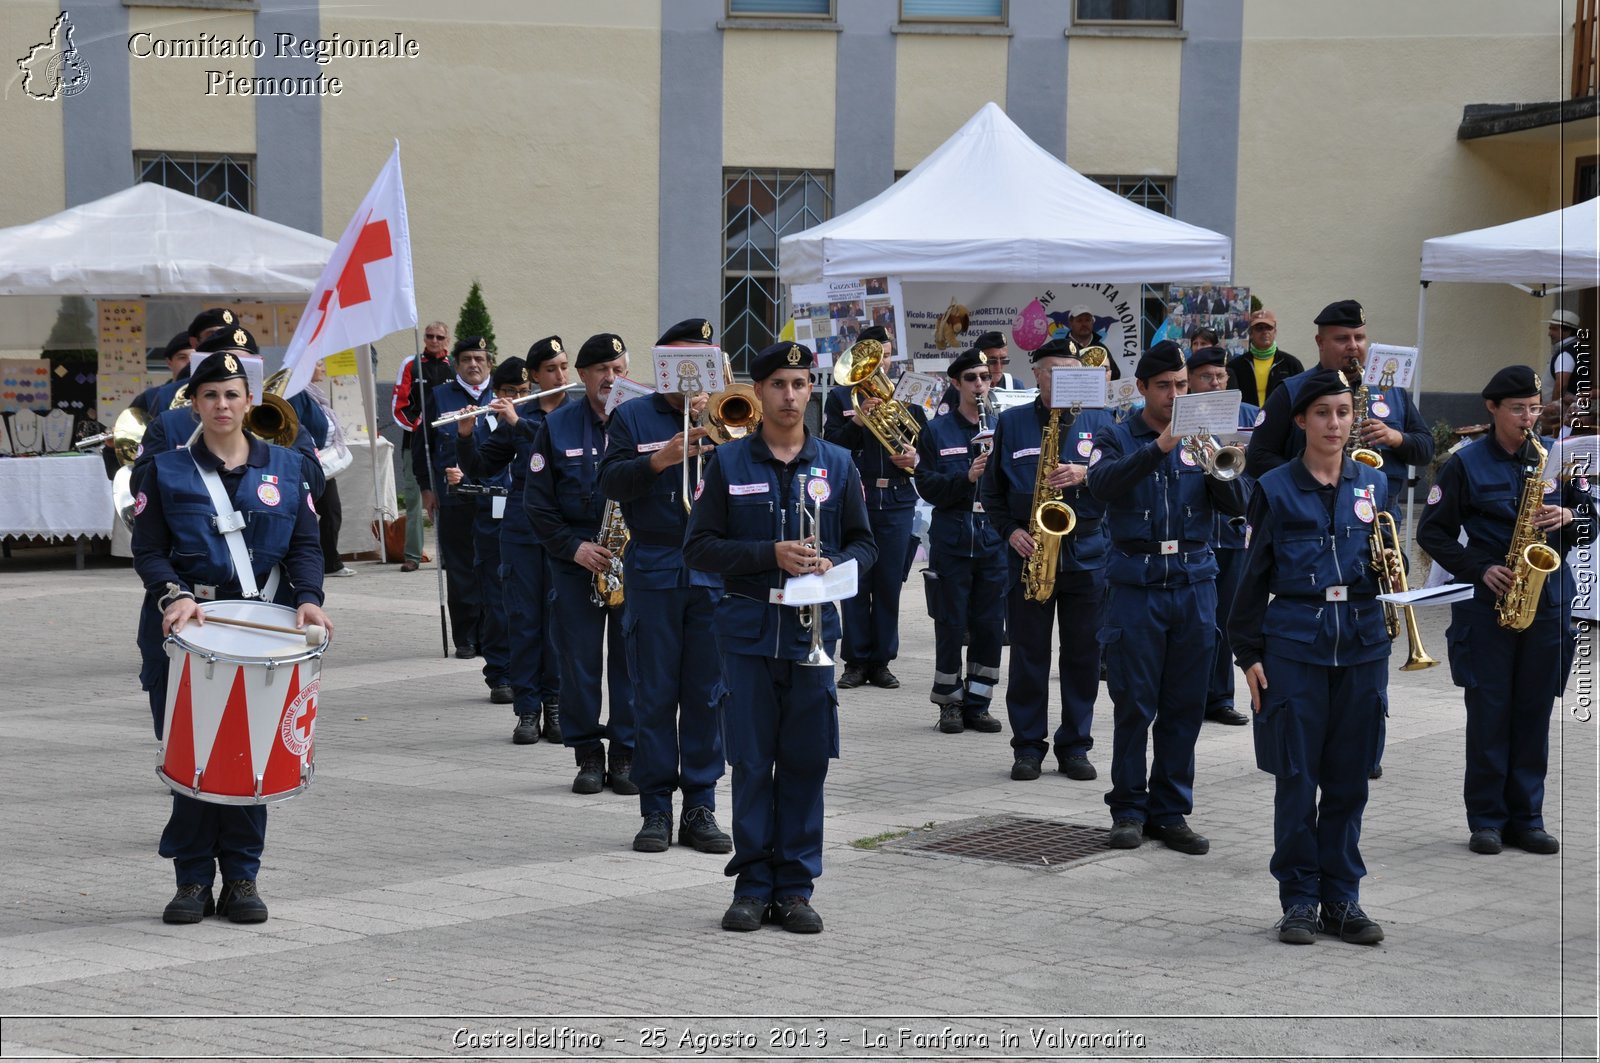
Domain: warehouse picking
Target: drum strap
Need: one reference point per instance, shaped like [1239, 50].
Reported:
[228, 523]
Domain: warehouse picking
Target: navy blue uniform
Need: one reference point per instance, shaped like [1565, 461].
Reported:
[966, 574]
[456, 514]
[565, 504]
[171, 429]
[494, 641]
[1006, 492]
[532, 667]
[666, 615]
[872, 617]
[174, 541]
[1161, 610]
[1228, 540]
[149, 400]
[783, 727]
[1325, 651]
[1510, 678]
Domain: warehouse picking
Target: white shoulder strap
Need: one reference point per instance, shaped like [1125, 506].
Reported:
[229, 523]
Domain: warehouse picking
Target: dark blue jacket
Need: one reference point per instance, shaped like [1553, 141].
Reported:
[171, 429]
[887, 486]
[505, 452]
[312, 417]
[562, 495]
[1229, 534]
[946, 452]
[441, 449]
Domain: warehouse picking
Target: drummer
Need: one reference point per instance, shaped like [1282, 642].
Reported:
[183, 559]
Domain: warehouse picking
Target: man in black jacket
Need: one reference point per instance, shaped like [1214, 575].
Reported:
[1257, 372]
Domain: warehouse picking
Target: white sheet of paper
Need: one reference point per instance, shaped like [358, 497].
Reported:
[931, 366]
[1215, 412]
[1005, 398]
[624, 389]
[688, 369]
[1390, 367]
[920, 389]
[1072, 385]
[834, 585]
[1444, 595]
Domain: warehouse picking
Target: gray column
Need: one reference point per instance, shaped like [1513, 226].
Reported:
[864, 103]
[689, 278]
[1036, 72]
[97, 123]
[1207, 187]
[288, 173]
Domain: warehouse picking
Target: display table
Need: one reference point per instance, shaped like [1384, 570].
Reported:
[65, 497]
[362, 504]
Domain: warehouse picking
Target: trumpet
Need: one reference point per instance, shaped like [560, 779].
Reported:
[1385, 539]
[811, 615]
[1219, 462]
[478, 411]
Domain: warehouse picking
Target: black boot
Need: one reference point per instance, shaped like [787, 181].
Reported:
[190, 904]
[240, 902]
[552, 721]
[621, 772]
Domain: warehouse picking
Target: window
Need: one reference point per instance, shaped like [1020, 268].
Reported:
[952, 10]
[758, 207]
[1587, 185]
[1154, 193]
[781, 8]
[225, 179]
[1164, 12]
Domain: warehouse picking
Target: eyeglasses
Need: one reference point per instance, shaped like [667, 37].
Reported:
[434, 336]
[973, 378]
[514, 393]
[1519, 410]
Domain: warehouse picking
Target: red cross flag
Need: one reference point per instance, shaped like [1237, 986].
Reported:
[366, 291]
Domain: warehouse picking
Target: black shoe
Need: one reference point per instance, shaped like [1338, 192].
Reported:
[591, 778]
[796, 915]
[466, 651]
[982, 722]
[551, 732]
[1298, 925]
[1229, 715]
[619, 778]
[655, 835]
[501, 694]
[1126, 834]
[1351, 924]
[879, 676]
[1024, 769]
[852, 677]
[697, 827]
[409, 565]
[1178, 836]
[1485, 840]
[745, 914]
[240, 902]
[1532, 840]
[190, 904]
[1376, 772]
[526, 733]
[950, 718]
[1078, 767]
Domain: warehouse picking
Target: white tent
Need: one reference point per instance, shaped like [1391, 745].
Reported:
[991, 205]
[151, 240]
[1555, 250]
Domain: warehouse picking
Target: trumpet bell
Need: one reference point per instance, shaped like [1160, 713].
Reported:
[274, 420]
[1365, 456]
[862, 367]
[1093, 357]
[1226, 464]
[733, 413]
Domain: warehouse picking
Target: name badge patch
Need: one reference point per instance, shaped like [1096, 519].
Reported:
[575, 452]
[1025, 452]
[749, 489]
[650, 448]
[949, 451]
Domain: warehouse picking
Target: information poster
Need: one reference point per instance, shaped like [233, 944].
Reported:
[829, 317]
[1390, 367]
[1222, 308]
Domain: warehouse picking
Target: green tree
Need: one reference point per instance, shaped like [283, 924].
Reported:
[474, 319]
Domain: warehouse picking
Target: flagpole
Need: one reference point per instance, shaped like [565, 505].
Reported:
[423, 429]
[371, 403]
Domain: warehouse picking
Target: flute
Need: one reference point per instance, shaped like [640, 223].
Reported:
[479, 411]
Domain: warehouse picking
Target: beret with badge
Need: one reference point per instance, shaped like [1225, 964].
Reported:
[874, 332]
[178, 343]
[237, 338]
[472, 343]
[510, 373]
[544, 350]
[601, 347]
[971, 358]
[221, 365]
[1320, 383]
[782, 355]
[1164, 357]
[1346, 313]
[216, 317]
[1207, 356]
[690, 330]
[989, 341]
[1512, 382]
[1060, 347]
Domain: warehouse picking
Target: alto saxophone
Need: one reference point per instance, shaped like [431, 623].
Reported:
[1530, 558]
[607, 590]
[1355, 376]
[1050, 521]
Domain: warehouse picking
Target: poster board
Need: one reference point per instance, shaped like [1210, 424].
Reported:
[829, 317]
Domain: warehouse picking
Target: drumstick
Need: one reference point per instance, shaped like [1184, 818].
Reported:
[314, 633]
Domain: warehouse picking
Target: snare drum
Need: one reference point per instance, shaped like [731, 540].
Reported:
[241, 708]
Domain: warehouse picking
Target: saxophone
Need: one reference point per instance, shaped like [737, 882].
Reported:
[1530, 558]
[607, 590]
[1050, 521]
[1356, 378]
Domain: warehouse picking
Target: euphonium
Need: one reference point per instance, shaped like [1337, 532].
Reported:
[273, 420]
[861, 370]
[1530, 558]
[1356, 378]
[607, 592]
[1386, 536]
[1050, 521]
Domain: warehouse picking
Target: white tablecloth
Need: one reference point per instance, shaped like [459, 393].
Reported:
[361, 504]
[56, 497]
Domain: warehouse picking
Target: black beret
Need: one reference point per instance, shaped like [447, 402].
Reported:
[690, 330]
[1060, 347]
[874, 332]
[968, 359]
[510, 372]
[781, 355]
[1207, 356]
[1346, 313]
[180, 342]
[1164, 357]
[216, 317]
[1319, 383]
[218, 366]
[544, 350]
[989, 341]
[471, 343]
[1512, 382]
[237, 338]
[601, 347]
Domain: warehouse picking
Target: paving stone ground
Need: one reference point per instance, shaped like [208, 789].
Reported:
[440, 892]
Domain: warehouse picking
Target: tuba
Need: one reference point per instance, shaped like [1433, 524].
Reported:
[1356, 378]
[1050, 520]
[1530, 558]
[273, 419]
[607, 590]
[861, 370]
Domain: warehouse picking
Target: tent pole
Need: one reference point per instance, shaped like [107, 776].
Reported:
[422, 433]
[369, 399]
[1416, 400]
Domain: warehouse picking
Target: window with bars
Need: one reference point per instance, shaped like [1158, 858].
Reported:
[759, 207]
[225, 179]
[1149, 12]
[1154, 193]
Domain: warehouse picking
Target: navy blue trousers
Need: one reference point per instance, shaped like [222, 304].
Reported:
[533, 668]
[780, 729]
[1230, 565]
[1075, 610]
[967, 599]
[456, 552]
[590, 642]
[872, 617]
[493, 641]
[677, 696]
[1318, 730]
[1157, 640]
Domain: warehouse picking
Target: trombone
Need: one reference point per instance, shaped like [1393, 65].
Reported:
[811, 615]
[1384, 541]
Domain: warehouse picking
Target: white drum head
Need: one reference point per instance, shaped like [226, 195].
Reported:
[245, 644]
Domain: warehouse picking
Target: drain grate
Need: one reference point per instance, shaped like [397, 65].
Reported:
[1021, 840]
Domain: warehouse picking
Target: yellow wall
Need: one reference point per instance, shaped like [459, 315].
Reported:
[34, 182]
[1122, 105]
[940, 83]
[778, 98]
[166, 96]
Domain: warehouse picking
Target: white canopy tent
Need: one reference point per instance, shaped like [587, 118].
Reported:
[991, 205]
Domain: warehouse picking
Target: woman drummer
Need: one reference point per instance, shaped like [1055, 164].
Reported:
[181, 556]
[1317, 661]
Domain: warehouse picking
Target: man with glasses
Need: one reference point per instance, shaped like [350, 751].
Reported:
[434, 362]
[1259, 371]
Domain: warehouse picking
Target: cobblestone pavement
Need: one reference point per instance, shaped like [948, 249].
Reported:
[441, 892]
